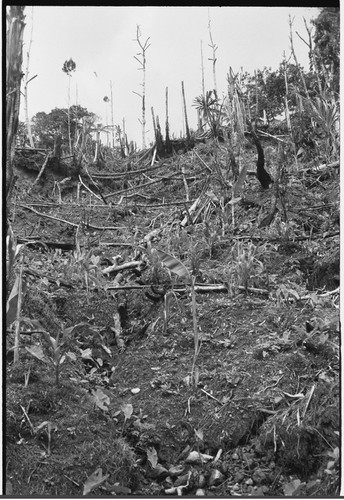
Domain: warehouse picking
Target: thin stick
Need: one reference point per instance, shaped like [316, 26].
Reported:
[206, 166]
[95, 185]
[153, 157]
[272, 136]
[41, 171]
[120, 175]
[141, 186]
[19, 304]
[89, 190]
[29, 421]
[212, 397]
[195, 329]
[308, 401]
[185, 184]
[90, 226]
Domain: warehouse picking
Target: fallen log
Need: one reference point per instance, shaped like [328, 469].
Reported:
[220, 288]
[49, 244]
[199, 288]
[88, 225]
[51, 280]
[135, 264]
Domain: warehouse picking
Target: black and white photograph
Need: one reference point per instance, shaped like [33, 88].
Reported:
[171, 237]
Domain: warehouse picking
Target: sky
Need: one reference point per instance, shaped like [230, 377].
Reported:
[101, 41]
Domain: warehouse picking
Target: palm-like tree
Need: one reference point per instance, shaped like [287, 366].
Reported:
[68, 68]
[211, 111]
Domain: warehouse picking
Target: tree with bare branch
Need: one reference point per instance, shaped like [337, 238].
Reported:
[214, 47]
[141, 59]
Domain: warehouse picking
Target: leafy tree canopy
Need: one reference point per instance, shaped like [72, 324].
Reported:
[327, 42]
[268, 89]
[68, 67]
[46, 126]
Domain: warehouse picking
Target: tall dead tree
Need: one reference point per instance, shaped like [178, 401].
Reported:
[142, 62]
[159, 140]
[168, 145]
[158, 135]
[112, 122]
[27, 81]
[68, 68]
[311, 54]
[213, 46]
[154, 124]
[185, 115]
[14, 59]
[199, 116]
[106, 100]
[202, 69]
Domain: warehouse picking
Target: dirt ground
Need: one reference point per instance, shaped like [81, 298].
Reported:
[258, 416]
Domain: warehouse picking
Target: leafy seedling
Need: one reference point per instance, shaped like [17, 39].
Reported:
[56, 357]
[94, 480]
[173, 265]
[127, 410]
[152, 457]
[100, 399]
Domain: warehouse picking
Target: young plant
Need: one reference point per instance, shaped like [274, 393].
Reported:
[127, 410]
[81, 266]
[177, 267]
[167, 308]
[12, 250]
[155, 263]
[14, 302]
[197, 345]
[209, 107]
[55, 355]
[212, 235]
[284, 231]
[245, 263]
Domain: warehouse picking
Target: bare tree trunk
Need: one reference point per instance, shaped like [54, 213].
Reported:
[144, 113]
[287, 112]
[257, 99]
[159, 141]
[27, 81]
[185, 115]
[214, 49]
[312, 60]
[112, 122]
[69, 135]
[202, 68]
[14, 59]
[107, 123]
[154, 124]
[168, 145]
[126, 152]
[97, 151]
[144, 47]
[295, 58]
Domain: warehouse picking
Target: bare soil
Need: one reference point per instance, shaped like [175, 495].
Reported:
[265, 402]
